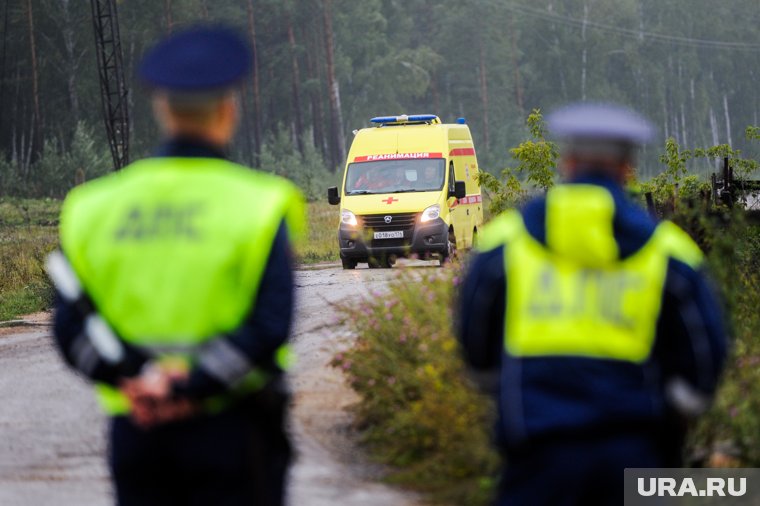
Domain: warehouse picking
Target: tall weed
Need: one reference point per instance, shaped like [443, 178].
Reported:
[418, 410]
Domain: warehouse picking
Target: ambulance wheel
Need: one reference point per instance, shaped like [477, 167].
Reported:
[451, 251]
[348, 263]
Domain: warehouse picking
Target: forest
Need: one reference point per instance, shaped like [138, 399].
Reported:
[324, 67]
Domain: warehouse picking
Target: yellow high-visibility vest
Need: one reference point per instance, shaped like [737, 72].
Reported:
[588, 303]
[172, 250]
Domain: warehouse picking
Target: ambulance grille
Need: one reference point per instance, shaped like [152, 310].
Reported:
[398, 221]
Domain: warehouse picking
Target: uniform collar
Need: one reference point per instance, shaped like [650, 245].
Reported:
[185, 147]
[602, 180]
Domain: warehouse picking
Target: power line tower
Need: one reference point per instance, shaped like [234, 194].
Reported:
[113, 88]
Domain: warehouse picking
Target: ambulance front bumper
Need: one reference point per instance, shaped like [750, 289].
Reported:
[423, 240]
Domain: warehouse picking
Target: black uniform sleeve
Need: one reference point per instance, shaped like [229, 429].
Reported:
[481, 317]
[77, 349]
[223, 362]
[691, 341]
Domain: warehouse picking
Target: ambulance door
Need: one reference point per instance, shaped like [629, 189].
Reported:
[475, 198]
[456, 209]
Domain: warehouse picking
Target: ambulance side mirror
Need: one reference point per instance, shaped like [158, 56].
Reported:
[333, 197]
[460, 190]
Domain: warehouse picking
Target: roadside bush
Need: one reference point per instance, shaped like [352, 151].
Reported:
[536, 165]
[730, 431]
[27, 235]
[418, 410]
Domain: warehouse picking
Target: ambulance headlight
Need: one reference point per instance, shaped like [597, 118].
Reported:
[348, 218]
[431, 213]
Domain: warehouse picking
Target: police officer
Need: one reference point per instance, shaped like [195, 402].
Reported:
[186, 256]
[593, 324]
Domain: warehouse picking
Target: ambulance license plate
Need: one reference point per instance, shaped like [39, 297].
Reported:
[396, 234]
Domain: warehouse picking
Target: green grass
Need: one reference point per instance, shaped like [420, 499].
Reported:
[29, 230]
[321, 245]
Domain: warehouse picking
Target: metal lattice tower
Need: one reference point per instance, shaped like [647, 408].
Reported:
[113, 89]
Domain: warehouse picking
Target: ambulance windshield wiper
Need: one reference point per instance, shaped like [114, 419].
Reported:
[358, 192]
[406, 190]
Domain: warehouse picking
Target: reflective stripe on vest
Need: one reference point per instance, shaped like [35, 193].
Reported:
[172, 250]
[606, 309]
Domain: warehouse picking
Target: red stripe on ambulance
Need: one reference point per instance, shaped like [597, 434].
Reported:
[397, 156]
[462, 152]
[469, 199]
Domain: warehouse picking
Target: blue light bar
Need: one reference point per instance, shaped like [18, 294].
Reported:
[416, 118]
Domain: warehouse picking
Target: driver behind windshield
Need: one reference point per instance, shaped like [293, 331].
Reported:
[428, 178]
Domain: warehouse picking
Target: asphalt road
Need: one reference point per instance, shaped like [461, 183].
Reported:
[52, 436]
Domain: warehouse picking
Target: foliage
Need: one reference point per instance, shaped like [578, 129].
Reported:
[490, 61]
[58, 169]
[537, 158]
[537, 165]
[308, 171]
[675, 183]
[732, 244]
[27, 234]
[418, 411]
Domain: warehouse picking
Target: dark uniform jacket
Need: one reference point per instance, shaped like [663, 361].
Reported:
[551, 396]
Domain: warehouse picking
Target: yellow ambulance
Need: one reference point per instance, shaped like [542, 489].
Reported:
[409, 188]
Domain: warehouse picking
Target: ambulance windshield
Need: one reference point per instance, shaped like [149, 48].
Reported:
[395, 176]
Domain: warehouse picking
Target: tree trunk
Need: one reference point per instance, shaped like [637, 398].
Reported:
[294, 88]
[338, 149]
[728, 120]
[515, 64]
[72, 65]
[37, 118]
[312, 56]
[435, 94]
[714, 127]
[130, 91]
[484, 95]
[246, 126]
[2, 65]
[168, 16]
[584, 54]
[255, 83]
[560, 63]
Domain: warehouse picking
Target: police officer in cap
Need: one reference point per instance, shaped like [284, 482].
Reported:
[592, 324]
[186, 256]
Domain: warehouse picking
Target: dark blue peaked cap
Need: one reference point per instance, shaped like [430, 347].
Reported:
[198, 59]
[601, 122]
